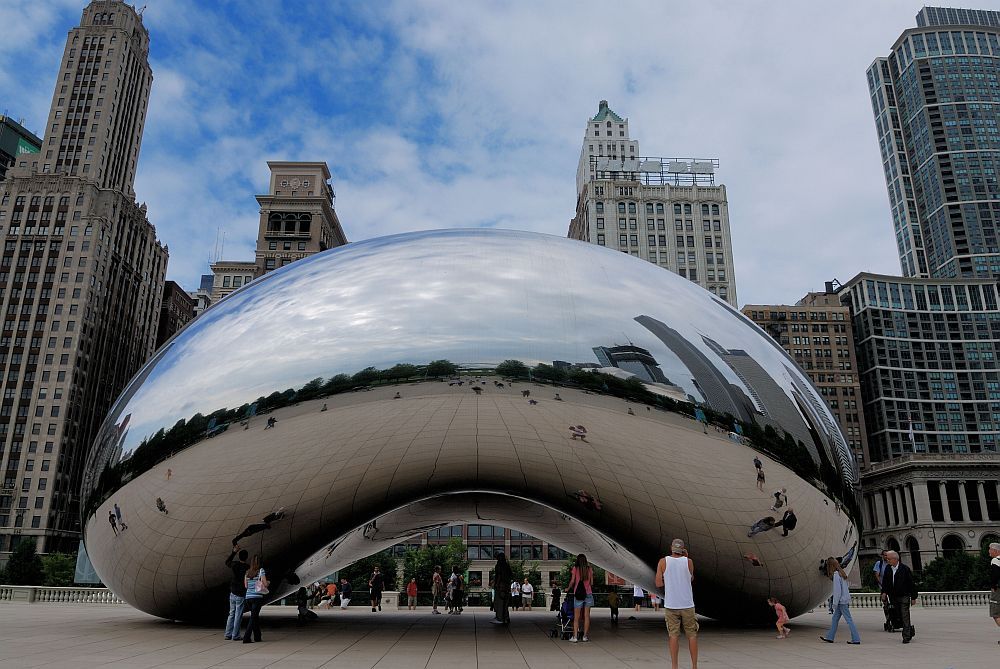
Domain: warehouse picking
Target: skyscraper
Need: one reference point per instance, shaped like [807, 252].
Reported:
[15, 141]
[668, 211]
[935, 100]
[81, 276]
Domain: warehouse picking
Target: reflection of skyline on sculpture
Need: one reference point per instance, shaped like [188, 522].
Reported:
[355, 353]
[425, 310]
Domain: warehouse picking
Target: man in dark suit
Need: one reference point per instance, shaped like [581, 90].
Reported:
[899, 589]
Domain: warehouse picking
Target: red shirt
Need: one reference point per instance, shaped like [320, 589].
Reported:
[411, 589]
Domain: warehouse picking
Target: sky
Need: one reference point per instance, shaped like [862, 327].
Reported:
[436, 114]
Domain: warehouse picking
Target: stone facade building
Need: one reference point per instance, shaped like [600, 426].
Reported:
[668, 211]
[81, 276]
[297, 219]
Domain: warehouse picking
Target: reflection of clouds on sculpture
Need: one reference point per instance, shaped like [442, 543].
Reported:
[360, 470]
[468, 296]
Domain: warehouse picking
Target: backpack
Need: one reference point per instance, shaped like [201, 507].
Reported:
[580, 592]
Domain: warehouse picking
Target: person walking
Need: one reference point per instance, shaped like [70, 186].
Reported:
[113, 521]
[255, 582]
[345, 593]
[121, 521]
[781, 624]
[459, 591]
[879, 569]
[581, 585]
[758, 464]
[787, 522]
[675, 574]
[331, 594]
[527, 594]
[556, 597]
[613, 604]
[237, 563]
[841, 602]
[411, 595]
[502, 575]
[995, 583]
[899, 590]
[637, 596]
[437, 587]
[760, 480]
[654, 601]
[375, 585]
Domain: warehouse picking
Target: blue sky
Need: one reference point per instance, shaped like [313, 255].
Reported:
[446, 114]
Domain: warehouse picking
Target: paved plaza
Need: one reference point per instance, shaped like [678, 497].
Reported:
[54, 635]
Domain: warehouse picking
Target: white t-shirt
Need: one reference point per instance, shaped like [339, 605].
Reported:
[527, 589]
[637, 591]
[515, 589]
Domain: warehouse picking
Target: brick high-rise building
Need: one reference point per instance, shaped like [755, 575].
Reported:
[668, 211]
[176, 310]
[81, 276]
[816, 332]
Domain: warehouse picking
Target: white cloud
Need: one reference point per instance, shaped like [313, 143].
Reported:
[443, 114]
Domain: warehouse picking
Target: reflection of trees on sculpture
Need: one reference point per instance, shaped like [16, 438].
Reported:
[184, 433]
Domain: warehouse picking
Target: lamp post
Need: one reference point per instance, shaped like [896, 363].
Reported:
[934, 539]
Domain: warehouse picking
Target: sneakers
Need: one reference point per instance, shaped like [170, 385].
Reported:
[585, 638]
[823, 638]
[572, 639]
[228, 638]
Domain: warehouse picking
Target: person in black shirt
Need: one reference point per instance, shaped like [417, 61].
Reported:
[787, 522]
[345, 593]
[899, 589]
[376, 583]
[995, 583]
[237, 592]
[502, 576]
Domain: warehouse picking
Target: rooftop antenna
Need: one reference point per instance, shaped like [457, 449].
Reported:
[142, 10]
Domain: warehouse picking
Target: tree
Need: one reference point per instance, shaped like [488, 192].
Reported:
[420, 563]
[441, 368]
[58, 569]
[522, 569]
[311, 390]
[544, 372]
[401, 371]
[24, 566]
[565, 574]
[365, 376]
[337, 384]
[359, 572]
[514, 369]
[961, 571]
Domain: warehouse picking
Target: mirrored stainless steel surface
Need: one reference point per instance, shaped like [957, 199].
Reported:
[578, 394]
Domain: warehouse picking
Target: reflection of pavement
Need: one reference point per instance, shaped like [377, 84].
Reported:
[53, 635]
[655, 474]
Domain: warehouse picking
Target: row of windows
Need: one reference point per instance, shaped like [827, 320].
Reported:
[632, 208]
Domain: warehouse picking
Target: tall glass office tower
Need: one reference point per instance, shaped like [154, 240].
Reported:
[936, 100]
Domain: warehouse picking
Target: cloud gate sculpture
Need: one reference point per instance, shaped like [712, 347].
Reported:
[575, 393]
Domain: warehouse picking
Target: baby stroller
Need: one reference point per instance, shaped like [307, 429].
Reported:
[563, 629]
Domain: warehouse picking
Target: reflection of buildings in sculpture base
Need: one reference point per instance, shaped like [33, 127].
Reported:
[297, 219]
[925, 506]
[483, 542]
[668, 211]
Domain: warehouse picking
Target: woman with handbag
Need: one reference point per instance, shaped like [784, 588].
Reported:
[256, 583]
[581, 586]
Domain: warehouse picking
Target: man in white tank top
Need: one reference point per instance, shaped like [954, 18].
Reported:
[674, 574]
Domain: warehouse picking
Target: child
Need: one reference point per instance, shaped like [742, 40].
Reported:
[781, 623]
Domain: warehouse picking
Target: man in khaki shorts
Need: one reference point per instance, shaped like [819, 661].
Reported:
[674, 574]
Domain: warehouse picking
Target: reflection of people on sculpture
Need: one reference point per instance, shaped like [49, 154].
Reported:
[760, 480]
[587, 500]
[525, 393]
[578, 432]
[324, 407]
[270, 423]
[762, 525]
[557, 398]
[753, 559]
[160, 506]
[780, 499]
[477, 390]
[532, 402]
[630, 412]
[265, 524]
[397, 396]
[113, 521]
[787, 522]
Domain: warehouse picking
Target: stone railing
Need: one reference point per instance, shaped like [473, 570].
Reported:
[30, 594]
[873, 600]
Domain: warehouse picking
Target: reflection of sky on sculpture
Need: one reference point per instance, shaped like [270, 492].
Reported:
[470, 296]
